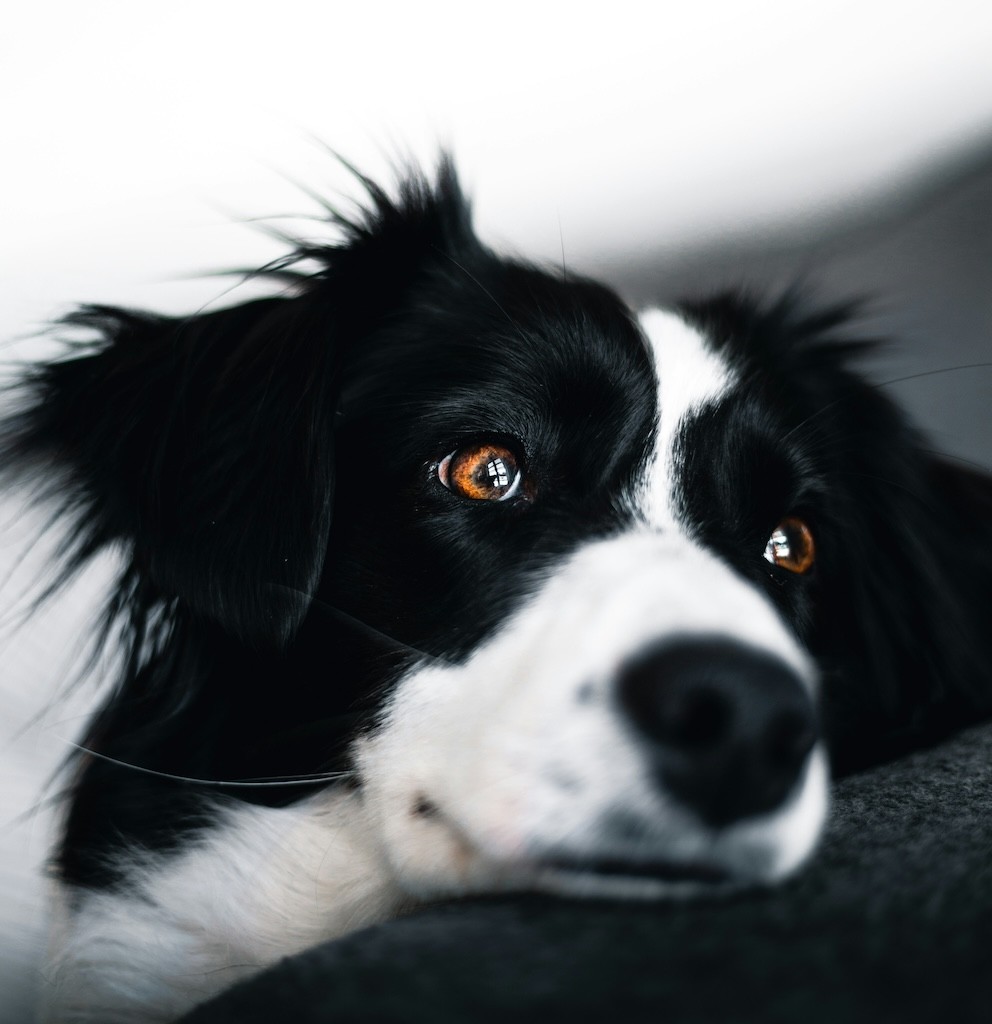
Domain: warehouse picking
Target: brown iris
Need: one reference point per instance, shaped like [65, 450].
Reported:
[481, 472]
[791, 546]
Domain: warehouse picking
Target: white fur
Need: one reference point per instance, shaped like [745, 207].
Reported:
[690, 375]
[264, 884]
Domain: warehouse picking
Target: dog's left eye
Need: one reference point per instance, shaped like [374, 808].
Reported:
[481, 472]
[791, 546]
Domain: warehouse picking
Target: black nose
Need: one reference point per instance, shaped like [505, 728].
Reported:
[729, 727]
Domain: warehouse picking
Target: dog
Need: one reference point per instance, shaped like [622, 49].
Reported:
[443, 574]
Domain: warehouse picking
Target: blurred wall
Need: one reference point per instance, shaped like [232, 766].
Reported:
[920, 256]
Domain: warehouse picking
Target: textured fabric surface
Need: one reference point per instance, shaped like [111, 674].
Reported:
[891, 922]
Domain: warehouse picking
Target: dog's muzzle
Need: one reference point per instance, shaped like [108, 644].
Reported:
[646, 719]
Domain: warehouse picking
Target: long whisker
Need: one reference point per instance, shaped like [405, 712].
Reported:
[275, 780]
[957, 458]
[822, 411]
[878, 385]
[377, 634]
[485, 291]
[399, 646]
[933, 373]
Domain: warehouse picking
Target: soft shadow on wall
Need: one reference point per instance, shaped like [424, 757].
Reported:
[920, 255]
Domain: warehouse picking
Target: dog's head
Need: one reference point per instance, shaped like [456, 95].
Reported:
[576, 595]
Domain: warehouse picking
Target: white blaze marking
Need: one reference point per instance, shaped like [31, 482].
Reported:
[690, 375]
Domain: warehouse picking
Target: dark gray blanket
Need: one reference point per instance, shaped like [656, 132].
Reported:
[891, 922]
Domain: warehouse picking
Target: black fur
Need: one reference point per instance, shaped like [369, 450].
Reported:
[267, 471]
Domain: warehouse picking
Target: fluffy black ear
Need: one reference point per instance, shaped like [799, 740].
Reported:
[904, 571]
[201, 444]
[910, 631]
[204, 445]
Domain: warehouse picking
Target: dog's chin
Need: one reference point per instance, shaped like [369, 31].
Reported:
[473, 872]
[441, 860]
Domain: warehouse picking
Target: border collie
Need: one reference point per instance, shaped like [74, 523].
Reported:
[446, 574]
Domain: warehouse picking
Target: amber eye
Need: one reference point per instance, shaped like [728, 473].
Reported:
[482, 472]
[791, 546]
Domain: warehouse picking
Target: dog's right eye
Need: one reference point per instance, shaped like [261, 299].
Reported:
[791, 546]
[481, 472]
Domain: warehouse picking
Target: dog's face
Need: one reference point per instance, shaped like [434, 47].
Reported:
[578, 600]
[610, 704]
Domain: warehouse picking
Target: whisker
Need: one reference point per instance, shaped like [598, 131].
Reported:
[822, 411]
[933, 373]
[275, 780]
[878, 385]
[399, 646]
[485, 291]
[378, 634]
[956, 458]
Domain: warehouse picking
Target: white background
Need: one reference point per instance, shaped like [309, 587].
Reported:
[131, 139]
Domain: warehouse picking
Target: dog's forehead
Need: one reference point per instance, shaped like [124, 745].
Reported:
[526, 323]
[511, 350]
[690, 376]
[589, 388]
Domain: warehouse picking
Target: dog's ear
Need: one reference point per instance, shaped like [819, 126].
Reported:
[910, 632]
[203, 445]
[963, 550]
